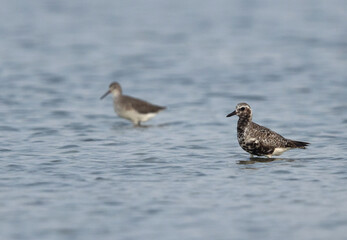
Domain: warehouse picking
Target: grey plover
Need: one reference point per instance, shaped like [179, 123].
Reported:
[133, 109]
[259, 140]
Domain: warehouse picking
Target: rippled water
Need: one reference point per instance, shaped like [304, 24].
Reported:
[71, 169]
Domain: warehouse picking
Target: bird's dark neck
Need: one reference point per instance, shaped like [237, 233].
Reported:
[243, 123]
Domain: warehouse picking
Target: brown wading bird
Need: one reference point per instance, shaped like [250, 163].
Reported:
[133, 109]
[259, 140]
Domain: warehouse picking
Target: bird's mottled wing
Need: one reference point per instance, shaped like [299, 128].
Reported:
[266, 137]
[140, 105]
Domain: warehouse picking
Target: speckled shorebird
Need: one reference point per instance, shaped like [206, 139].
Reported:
[133, 109]
[259, 140]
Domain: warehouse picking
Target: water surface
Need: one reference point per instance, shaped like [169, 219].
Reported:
[71, 169]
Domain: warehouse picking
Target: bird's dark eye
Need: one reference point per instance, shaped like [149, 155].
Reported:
[242, 108]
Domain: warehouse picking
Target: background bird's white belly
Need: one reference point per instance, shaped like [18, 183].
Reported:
[146, 116]
[135, 116]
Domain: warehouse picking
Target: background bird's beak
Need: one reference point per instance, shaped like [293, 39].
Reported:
[231, 114]
[106, 93]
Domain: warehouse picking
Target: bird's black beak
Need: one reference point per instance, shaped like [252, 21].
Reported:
[106, 93]
[231, 114]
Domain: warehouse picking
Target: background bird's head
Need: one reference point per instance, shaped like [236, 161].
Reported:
[115, 89]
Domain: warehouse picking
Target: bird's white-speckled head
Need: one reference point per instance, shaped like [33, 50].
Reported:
[243, 110]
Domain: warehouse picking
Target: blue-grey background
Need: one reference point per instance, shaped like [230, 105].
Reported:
[71, 169]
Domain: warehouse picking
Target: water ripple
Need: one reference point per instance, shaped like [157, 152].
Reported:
[281, 172]
[5, 150]
[61, 114]
[249, 97]
[42, 132]
[69, 146]
[8, 129]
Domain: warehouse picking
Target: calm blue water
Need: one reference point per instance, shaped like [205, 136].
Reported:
[71, 169]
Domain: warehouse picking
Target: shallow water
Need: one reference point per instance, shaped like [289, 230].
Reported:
[71, 169]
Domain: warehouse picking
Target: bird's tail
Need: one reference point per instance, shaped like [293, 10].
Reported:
[297, 144]
[161, 108]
